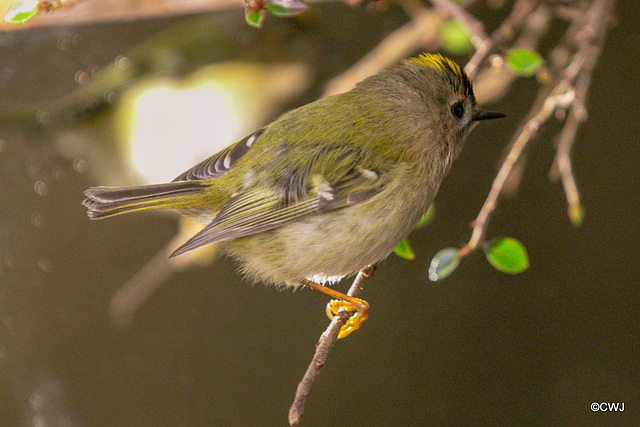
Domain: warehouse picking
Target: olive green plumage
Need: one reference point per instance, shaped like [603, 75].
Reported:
[327, 188]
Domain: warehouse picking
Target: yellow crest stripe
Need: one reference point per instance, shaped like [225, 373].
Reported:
[438, 62]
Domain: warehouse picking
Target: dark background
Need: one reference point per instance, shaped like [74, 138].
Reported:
[479, 348]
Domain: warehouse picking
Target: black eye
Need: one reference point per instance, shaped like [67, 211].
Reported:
[457, 110]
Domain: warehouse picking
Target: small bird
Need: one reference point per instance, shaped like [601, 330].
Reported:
[328, 188]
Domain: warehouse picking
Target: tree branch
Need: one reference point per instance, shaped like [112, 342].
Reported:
[492, 83]
[51, 5]
[562, 97]
[562, 163]
[505, 32]
[590, 41]
[323, 348]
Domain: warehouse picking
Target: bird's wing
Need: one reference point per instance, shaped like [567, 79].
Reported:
[302, 193]
[221, 162]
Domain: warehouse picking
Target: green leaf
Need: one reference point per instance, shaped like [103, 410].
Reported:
[524, 62]
[427, 217]
[254, 17]
[444, 263]
[403, 250]
[507, 255]
[455, 38]
[21, 11]
[277, 9]
[286, 8]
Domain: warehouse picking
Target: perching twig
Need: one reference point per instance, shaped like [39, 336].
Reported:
[323, 347]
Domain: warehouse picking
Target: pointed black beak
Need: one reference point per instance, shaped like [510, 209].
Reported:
[486, 115]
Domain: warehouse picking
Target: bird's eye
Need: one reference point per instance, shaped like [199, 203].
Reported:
[457, 110]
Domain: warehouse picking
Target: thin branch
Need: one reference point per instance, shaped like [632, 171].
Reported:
[563, 161]
[323, 348]
[116, 11]
[505, 32]
[492, 83]
[562, 96]
[51, 5]
[591, 46]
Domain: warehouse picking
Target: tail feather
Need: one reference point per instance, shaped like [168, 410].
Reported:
[103, 202]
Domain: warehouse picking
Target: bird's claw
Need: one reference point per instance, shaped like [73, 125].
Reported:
[358, 314]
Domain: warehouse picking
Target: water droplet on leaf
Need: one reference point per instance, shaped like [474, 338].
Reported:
[444, 263]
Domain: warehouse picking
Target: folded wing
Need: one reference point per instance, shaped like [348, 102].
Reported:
[260, 208]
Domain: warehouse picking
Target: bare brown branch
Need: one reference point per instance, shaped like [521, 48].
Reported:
[83, 11]
[590, 41]
[562, 97]
[51, 5]
[505, 32]
[323, 348]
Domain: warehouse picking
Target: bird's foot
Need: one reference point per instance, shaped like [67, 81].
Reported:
[358, 312]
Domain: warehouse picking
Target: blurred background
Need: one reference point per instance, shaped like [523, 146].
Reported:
[139, 97]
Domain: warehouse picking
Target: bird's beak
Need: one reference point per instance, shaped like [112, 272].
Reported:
[486, 115]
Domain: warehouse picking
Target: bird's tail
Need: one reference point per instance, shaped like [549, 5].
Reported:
[103, 202]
